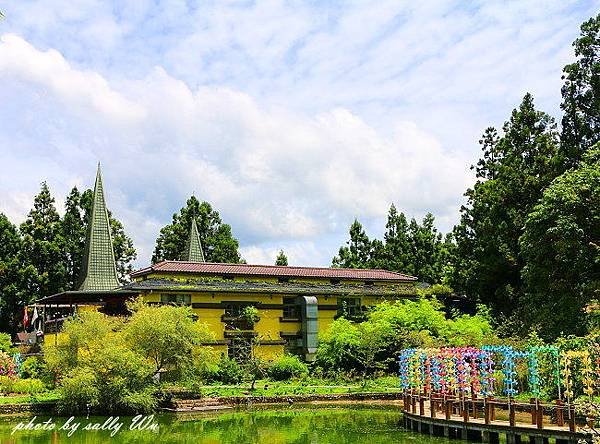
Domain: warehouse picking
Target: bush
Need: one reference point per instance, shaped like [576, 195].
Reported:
[7, 365]
[144, 401]
[6, 384]
[374, 344]
[208, 373]
[6, 343]
[32, 368]
[78, 391]
[28, 386]
[230, 371]
[287, 367]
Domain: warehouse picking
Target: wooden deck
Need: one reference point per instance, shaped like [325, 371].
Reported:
[484, 420]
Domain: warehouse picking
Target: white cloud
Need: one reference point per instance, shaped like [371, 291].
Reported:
[274, 174]
[290, 119]
[21, 61]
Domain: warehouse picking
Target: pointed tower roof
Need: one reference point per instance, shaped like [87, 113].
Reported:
[99, 271]
[193, 249]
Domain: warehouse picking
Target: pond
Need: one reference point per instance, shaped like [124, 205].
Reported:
[296, 424]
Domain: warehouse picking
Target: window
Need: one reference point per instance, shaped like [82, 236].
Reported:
[235, 309]
[290, 308]
[176, 298]
[349, 307]
[240, 350]
[234, 319]
[334, 281]
[283, 279]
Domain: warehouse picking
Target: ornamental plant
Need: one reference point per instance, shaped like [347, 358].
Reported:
[7, 366]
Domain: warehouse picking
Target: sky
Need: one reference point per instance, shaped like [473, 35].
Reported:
[291, 118]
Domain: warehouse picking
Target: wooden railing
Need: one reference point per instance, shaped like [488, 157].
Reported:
[449, 407]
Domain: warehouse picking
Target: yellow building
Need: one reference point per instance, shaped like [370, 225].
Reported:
[292, 305]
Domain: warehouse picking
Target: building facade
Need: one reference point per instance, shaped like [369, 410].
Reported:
[260, 309]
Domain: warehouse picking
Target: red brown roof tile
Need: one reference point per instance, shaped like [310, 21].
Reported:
[208, 268]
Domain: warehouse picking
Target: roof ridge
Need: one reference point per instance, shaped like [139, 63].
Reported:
[285, 266]
[164, 265]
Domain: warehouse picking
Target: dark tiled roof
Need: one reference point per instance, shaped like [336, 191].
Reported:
[193, 249]
[206, 268]
[395, 290]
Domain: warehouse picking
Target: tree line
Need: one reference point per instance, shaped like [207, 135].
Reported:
[43, 255]
[527, 244]
[528, 241]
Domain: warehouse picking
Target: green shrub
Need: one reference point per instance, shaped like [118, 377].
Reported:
[78, 391]
[210, 373]
[32, 367]
[28, 386]
[6, 384]
[230, 371]
[287, 367]
[6, 343]
[374, 344]
[144, 401]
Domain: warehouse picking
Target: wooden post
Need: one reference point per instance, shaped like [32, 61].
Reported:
[533, 409]
[431, 407]
[560, 413]
[492, 410]
[486, 410]
[474, 403]
[421, 406]
[572, 425]
[540, 415]
[511, 412]
[448, 407]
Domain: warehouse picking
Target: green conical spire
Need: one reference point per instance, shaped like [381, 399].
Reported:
[99, 271]
[193, 249]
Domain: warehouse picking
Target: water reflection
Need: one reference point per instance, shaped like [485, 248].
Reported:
[272, 425]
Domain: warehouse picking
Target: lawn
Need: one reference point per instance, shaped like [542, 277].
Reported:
[305, 386]
[28, 399]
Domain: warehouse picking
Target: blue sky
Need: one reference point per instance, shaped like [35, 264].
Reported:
[291, 118]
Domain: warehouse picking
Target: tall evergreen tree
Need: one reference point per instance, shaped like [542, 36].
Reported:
[427, 258]
[218, 242]
[581, 96]
[16, 279]
[561, 248]
[43, 246]
[411, 248]
[397, 250]
[511, 176]
[359, 251]
[73, 231]
[281, 259]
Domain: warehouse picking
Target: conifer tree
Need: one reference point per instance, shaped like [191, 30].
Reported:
[281, 259]
[73, 231]
[581, 96]
[397, 250]
[43, 246]
[561, 249]
[218, 242]
[14, 277]
[358, 251]
[427, 258]
[512, 173]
